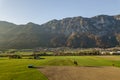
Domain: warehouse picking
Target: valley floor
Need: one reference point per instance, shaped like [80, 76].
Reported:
[61, 68]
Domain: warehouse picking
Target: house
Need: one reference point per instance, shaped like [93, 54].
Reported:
[105, 52]
[116, 53]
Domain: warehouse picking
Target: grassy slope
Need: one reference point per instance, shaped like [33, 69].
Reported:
[16, 69]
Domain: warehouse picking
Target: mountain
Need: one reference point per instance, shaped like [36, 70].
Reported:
[77, 32]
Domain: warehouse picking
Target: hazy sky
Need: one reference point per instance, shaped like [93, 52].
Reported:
[41, 11]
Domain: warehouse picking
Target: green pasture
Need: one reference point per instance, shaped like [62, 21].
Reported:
[16, 69]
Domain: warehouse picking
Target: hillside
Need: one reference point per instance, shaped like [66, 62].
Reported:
[98, 31]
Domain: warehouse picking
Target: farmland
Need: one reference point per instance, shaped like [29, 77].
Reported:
[81, 73]
[16, 69]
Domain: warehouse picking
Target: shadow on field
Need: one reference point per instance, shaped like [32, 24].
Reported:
[42, 58]
[32, 58]
[35, 67]
[38, 67]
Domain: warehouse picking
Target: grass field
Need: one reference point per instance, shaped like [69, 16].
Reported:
[16, 69]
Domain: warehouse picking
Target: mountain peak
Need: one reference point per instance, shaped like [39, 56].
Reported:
[30, 23]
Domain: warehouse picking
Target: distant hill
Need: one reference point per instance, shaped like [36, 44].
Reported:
[99, 31]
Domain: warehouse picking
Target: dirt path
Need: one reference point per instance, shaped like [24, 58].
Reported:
[81, 73]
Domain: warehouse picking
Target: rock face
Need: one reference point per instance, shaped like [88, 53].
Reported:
[99, 31]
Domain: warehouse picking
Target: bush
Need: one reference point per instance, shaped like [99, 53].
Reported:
[15, 56]
[30, 66]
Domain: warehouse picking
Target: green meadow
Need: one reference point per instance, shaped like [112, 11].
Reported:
[17, 69]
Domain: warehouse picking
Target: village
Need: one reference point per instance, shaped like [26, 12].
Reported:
[63, 51]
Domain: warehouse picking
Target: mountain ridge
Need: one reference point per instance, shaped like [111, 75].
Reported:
[98, 31]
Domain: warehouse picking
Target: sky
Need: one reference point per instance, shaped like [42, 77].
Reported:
[41, 11]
